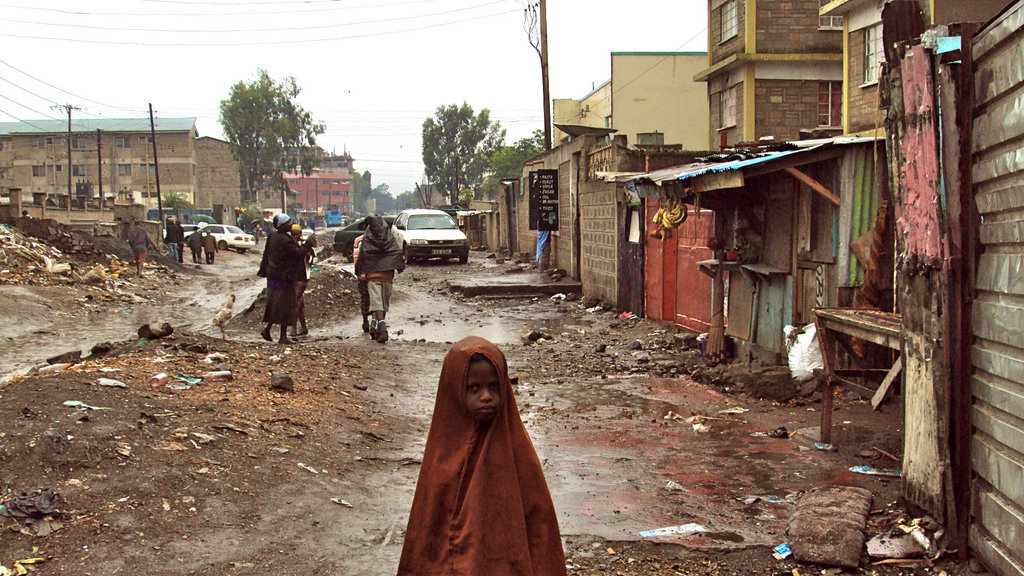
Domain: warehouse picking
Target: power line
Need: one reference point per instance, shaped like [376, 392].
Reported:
[23, 121]
[266, 43]
[27, 107]
[231, 13]
[246, 30]
[61, 89]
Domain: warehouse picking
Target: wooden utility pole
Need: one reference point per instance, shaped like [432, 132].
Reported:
[68, 108]
[99, 166]
[156, 166]
[544, 73]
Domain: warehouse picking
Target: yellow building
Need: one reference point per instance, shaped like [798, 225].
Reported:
[651, 98]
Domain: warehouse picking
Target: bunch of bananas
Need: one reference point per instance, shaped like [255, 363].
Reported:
[670, 215]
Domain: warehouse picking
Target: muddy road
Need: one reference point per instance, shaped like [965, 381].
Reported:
[236, 478]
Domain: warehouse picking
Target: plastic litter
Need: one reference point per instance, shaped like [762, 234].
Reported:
[627, 316]
[804, 352]
[864, 469]
[782, 551]
[701, 428]
[308, 468]
[779, 432]
[673, 485]
[83, 406]
[178, 386]
[188, 379]
[594, 309]
[54, 368]
[558, 297]
[111, 383]
[822, 447]
[218, 375]
[341, 502]
[682, 529]
[158, 380]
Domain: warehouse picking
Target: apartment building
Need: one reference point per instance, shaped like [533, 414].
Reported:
[218, 177]
[115, 155]
[651, 98]
[321, 191]
[863, 52]
[774, 69]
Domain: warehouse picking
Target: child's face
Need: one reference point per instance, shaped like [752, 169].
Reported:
[483, 390]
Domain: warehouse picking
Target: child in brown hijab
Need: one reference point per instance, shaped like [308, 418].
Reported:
[482, 505]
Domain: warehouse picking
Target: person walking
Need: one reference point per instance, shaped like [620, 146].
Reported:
[175, 239]
[301, 273]
[364, 292]
[256, 231]
[209, 247]
[482, 505]
[278, 266]
[379, 259]
[138, 239]
[195, 245]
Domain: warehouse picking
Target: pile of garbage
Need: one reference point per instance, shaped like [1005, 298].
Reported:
[25, 260]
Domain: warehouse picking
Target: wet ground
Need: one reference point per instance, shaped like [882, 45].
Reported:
[319, 480]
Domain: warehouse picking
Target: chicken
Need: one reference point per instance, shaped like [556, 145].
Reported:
[222, 317]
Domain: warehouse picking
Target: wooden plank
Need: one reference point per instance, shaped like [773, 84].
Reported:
[718, 181]
[883, 389]
[814, 185]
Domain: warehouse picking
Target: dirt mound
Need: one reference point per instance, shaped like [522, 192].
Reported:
[331, 294]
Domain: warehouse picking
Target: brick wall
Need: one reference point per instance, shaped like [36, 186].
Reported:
[217, 174]
[599, 227]
[783, 107]
[862, 101]
[791, 26]
[733, 134]
[736, 44]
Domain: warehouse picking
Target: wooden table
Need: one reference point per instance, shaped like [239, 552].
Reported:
[881, 328]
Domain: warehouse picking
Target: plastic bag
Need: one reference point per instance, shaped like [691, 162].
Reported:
[804, 352]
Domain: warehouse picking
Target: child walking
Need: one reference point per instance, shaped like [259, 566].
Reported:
[482, 505]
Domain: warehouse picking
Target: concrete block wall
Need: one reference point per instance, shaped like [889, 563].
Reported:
[599, 228]
[217, 174]
[862, 100]
[736, 44]
[791, 27]
[784, 107]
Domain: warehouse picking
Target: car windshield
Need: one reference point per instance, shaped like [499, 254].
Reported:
[431, 222]
[233, 229]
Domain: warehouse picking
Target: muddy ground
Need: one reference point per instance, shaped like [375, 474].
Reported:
[232, 477]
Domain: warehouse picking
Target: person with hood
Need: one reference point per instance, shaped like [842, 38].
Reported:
[175, 239]
[379, 259]
[364, 291]
[209, 246]
[302, 272]
[482, 505]
[281, 259]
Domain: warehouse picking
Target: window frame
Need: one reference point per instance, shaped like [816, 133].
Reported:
[874, 53]
[831, 22]
[124, 170]
[41, 170]
[726, 122]
[832, 89]
[122, 142]
[729, 24]
[79, 170]
[78, 143]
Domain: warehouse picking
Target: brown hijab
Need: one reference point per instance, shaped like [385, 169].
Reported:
[481, 504]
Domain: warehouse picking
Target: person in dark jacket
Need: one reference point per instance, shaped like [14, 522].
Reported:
[175, 239]
[209, 247]
[379, 259]
[281, 259]
[195, 245]
[139, 241]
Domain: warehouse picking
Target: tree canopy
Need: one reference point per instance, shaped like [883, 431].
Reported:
[262, 119]
[507, 162]
[457, 145]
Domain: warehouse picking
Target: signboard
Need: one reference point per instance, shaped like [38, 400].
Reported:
[544, 200]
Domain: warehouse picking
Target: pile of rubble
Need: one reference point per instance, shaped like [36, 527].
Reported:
[24, 260]
[55, 234]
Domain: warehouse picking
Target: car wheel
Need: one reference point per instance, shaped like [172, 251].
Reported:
[242, 250]
[464, 258]
[222, 245]
[347, 252]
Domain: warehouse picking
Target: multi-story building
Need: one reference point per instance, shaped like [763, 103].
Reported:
[774, 68]
[651, 98]
[115, 155]
[218, 178]
[863, 51]
[321, 191]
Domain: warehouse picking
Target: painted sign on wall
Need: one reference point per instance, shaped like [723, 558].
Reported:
[544, 200]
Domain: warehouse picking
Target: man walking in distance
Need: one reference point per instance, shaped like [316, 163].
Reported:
[138, 239]
[379, 259]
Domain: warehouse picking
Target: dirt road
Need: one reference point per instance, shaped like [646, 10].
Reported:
[235, 478]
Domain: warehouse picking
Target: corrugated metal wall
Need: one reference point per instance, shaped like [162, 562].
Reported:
[997, 385]
[860, 200]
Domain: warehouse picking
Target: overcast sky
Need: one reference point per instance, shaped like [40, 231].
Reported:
[371, 70]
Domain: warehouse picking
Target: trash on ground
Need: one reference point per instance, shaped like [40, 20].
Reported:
[558, 297]
[672, 415]
[83, 406]
[804, 352]
[594, 309]
[188, 379]
[627, 316]
[828, 524]
[52, 368]
[782, 551]
[35, 504]
[864, 469]
[158, 380]
[779, 432]
[681, 530]
[822, 447]
[888, 546]
[111, 383]
[673, 485]
[341, 502]
[734, 410]
[218, 375]
[308, 468]
[178, 386]
[701, 428]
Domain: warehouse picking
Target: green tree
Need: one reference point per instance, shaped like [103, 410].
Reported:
[262, 119]
[507, 162]
[361, 190]
[457, 145]
[175, 201]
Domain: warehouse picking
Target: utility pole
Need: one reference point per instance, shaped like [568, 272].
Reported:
[156, 166]
[68, 108]
[544, 73]
[99, 166]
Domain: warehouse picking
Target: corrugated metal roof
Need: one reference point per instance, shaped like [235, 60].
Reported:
[92, 124]
[699, 168]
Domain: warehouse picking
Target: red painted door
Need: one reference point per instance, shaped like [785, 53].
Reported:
[692, 288]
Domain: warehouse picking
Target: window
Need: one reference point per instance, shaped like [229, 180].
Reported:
[5, 145]
[829, 22]
[873, 53]
[727, 108]
[42, 142]
[38, 170]
[147, 168]
[124, 169]
[78, 143]
[122, 142]
[145, 139]
[830, 103]
[729, 19]
[78, 170]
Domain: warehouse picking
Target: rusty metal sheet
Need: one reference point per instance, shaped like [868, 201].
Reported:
[998, 364]
[1002, 123]
[1010, 22]
[1000, 200]
[1002, 232]
[999, 323]
[1001, 273]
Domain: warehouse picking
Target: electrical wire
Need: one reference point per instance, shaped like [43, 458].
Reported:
[247, 30]
[23, 121]
[41, 81]
[264, 43]
[29, 108]
[246, 13]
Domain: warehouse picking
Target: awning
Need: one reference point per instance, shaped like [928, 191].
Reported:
[576, 130]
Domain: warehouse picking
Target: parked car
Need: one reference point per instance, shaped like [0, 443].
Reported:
[344, 238]
[425, 234]
[230, 237]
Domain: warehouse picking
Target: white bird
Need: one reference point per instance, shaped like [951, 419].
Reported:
[222, 317]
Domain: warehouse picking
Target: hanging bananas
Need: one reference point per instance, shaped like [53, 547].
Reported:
[671, 215]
